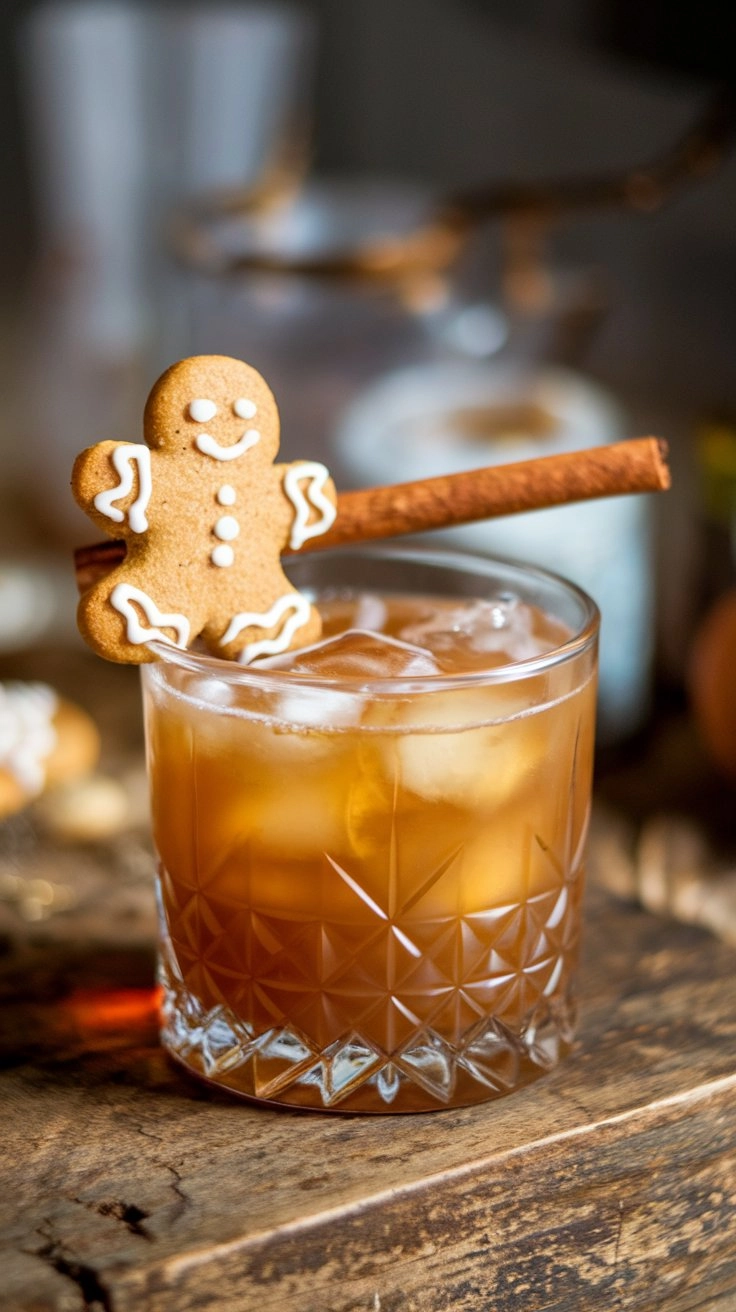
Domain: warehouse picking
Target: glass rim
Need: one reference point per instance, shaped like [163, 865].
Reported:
[273, 680]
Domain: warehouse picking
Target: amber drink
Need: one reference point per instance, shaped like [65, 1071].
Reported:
[371, 851]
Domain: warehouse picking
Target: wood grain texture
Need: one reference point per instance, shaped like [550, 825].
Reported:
[612, 1183]
[128, 1187]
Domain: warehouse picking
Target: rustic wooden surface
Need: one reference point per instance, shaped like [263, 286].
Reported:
[127, 1186]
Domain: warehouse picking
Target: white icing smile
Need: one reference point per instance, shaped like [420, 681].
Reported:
[209, 446]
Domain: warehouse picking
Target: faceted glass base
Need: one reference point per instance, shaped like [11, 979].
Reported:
[282, 1066]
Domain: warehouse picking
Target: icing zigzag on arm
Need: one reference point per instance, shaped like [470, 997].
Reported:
[124, 457]
[306, 500]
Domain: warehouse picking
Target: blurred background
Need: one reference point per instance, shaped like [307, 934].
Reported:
[448, 232]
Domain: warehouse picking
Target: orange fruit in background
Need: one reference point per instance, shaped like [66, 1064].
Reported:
[712, 682]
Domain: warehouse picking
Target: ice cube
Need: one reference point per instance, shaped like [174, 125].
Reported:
[306, 729]
[511, 860]
[279, 799]
[256, 839]
[297, 821]
[319, 709]
[370, 800]
[370, 613]
[356, 656]
[479, 765]
[214, 692]
[359, 655]
[503, 626]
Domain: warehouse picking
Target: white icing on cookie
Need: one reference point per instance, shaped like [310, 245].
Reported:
[201, 411]
[124, 458]
[244, 408]
[122, 597]
[292, 601]
[227, 528]
[222, 555]
[210, 447]
[305, 502]
[27, 733]
[226, 495]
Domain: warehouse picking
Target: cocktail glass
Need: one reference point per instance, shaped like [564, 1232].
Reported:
[371, 865]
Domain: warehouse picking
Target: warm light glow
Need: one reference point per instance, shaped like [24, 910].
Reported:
[112, 1008]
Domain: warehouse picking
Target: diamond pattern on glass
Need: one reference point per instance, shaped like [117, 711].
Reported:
[376, 971]
[379, 991]
[375, 962]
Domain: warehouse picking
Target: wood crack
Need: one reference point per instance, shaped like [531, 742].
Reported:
[617, 1246]
[184, 1199]
[96, 1296]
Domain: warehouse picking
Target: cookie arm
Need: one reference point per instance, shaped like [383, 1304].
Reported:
[312, 498]
[112, 483]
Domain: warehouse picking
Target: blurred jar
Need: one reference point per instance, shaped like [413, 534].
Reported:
[427, 421]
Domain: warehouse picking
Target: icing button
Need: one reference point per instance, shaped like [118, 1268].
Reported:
[222, 555]
[226, 528]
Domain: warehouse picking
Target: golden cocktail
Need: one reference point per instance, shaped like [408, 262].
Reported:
[371, 852]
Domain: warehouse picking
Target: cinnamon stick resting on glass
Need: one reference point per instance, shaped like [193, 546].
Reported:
[637, 465]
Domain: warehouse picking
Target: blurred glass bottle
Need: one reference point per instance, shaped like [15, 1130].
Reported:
[128, 108]
[84, 323]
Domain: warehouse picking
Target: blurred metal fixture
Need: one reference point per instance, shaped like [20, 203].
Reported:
[434, 244]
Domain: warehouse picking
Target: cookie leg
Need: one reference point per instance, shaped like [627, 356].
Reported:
[124, 612]
[244, 636]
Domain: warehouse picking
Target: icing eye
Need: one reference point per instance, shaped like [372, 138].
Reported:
[244, 408]
[202, 411]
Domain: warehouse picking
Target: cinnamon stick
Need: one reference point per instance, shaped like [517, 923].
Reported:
[638, 465]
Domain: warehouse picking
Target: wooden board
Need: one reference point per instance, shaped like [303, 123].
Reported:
[126, 1186]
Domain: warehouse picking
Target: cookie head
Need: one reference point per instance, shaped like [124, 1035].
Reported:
[213, 407]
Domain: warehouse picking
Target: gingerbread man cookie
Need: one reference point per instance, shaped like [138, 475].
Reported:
[205, 514]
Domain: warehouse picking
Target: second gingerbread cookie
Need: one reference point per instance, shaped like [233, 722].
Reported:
[205, 514]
